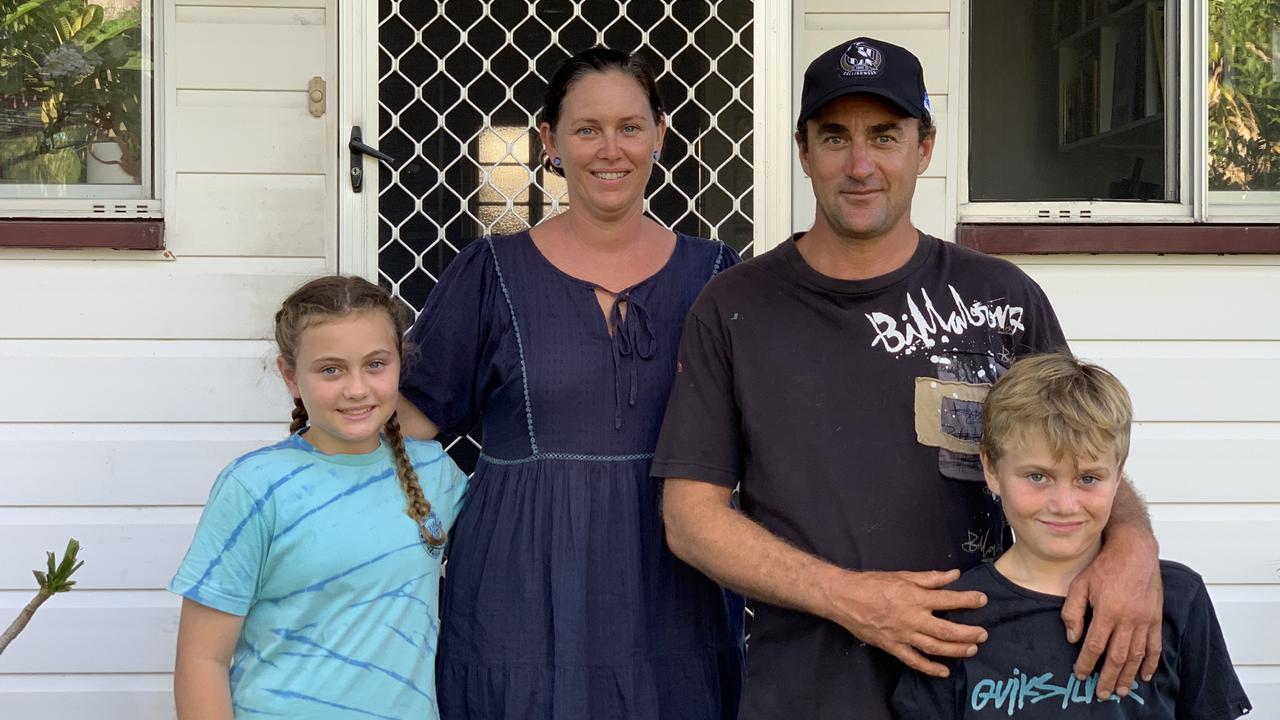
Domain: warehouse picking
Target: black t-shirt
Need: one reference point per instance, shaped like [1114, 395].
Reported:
[805, 390]
[1023, 670]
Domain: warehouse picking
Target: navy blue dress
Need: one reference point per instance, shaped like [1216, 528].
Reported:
[561, 598]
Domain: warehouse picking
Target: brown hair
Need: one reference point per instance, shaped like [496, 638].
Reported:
[598, 59]
[1076, 407]
[330, 298]
[925, 125]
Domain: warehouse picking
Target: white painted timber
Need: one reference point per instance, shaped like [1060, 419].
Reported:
[113, 381]
[250, 215]
[1248, 616]
[187, 4]
[1194, 381]
[248, 132]
[1200, 462]
[187, 298]
[814, 7]
[122, 464]
[100, 696]
[289, 46]
[84, 631]
[1235, 543]
[1146, 302]
[124, 548]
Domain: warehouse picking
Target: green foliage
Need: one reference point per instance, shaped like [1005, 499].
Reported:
[1244, 95]
[57, 577]
[70, 76]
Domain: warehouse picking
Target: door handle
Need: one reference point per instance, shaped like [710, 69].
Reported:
[358, 150]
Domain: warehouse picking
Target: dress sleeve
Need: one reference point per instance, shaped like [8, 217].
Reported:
[727, 258]
[920, 697]
[701, 437]
[451, 342]
[1210, 689]
[224, 564]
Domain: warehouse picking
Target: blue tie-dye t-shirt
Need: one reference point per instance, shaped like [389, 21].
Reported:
[337, 590]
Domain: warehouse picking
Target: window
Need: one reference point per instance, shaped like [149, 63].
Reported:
[76, 109]
[1122, 111]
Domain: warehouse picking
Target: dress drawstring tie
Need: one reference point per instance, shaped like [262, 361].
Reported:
[632, 335]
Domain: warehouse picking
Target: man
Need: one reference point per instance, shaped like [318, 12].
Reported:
[838, 380]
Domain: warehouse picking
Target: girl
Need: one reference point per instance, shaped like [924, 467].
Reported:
[310, 587]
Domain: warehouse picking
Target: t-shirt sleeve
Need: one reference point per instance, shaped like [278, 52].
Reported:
[921, 697]
[1043, 332]
[443, 483]
[1210, 689]
[701, 437]
[451, 353]
[223, 566]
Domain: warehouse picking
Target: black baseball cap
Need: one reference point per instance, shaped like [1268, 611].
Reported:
[865, 65]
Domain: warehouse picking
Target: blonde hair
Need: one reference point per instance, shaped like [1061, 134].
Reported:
[1076, 408]
[331, 298]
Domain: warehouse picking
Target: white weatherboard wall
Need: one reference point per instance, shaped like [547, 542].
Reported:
[134, 377]
[1196, 339]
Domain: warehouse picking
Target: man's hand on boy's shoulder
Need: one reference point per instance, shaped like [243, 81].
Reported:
[1124, 589]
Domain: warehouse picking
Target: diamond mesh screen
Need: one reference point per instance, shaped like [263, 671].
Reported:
[460, 85]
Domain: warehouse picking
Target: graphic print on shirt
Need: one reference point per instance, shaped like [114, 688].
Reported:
[1007, 696]
[923, 326]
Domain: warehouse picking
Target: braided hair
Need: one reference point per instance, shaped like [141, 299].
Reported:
[336, 296]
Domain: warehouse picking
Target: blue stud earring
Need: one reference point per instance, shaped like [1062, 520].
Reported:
[655, 156]
[555, 161]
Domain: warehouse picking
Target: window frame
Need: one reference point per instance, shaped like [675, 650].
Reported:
[1196, 205]
[69, 221]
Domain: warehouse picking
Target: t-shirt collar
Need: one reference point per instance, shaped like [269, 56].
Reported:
[925, 247]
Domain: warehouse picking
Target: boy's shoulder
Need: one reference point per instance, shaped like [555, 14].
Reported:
[1184, 589]
[1179, 578]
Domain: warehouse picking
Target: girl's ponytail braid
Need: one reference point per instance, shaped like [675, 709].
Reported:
[419, 508]
[299, 416]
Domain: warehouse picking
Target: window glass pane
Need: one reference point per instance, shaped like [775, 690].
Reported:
[1244, 95]
[1070, 100]
[71, 96]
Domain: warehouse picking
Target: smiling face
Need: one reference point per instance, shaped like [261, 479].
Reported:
[1057, 507]
[347, 373]
[863, 157]
[605, 138]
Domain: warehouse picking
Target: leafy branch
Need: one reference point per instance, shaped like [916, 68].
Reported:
[56, 578]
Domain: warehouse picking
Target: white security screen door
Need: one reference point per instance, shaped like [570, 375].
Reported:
[458, 87]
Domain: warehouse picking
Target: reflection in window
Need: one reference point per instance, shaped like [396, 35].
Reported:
[1071, 100]
[71, 96]
[1244, 95]
[515, 191]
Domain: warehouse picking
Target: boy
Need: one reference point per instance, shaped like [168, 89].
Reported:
[1054, 442]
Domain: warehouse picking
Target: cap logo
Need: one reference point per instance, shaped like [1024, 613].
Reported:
[862, 60]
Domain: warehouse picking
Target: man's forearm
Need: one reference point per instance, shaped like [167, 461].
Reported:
[738, 553]
[1129, 512]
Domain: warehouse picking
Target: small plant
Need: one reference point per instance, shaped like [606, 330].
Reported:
[56, 579]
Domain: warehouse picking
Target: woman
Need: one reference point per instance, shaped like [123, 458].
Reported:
[561, 598]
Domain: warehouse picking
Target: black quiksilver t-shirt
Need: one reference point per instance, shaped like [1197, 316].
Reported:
[1023, 670]
[849, 412]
